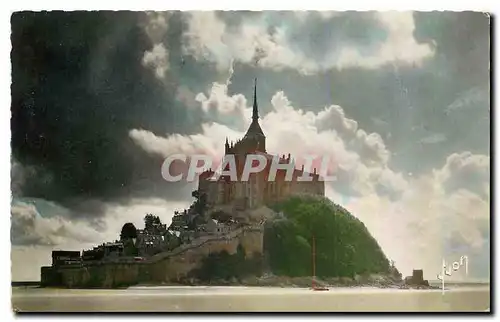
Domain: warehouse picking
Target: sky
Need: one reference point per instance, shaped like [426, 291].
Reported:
[400, 101]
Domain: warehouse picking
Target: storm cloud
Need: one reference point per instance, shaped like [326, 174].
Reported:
[78, 86]
[399, 101]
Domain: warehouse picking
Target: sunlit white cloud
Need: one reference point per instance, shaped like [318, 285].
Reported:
[209, 38]
[157, 58]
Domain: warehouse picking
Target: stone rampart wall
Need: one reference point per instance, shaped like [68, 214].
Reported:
[168, 267]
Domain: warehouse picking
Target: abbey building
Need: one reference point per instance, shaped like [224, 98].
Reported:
[258, 190]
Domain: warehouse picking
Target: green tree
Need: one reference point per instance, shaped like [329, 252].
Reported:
[129, 248]
[200, 203]
[224, 266]
[128, 231]
[148, 221]
[152, 223]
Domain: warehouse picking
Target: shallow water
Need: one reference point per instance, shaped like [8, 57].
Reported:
[255, 299]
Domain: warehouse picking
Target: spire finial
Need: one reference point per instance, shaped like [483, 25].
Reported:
[255, 114]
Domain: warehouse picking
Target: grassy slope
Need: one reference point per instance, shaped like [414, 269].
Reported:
[344, 247]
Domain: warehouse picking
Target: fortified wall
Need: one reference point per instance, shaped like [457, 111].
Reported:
[163, 268]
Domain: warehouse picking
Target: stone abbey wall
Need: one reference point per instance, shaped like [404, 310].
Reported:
[166, 268]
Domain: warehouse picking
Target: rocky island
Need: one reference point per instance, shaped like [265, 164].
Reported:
[273, 248]
[253, 230]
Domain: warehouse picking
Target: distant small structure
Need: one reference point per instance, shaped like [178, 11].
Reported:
[417, 279]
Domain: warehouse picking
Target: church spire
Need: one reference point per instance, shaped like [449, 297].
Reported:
[254, 131]
[255, 114]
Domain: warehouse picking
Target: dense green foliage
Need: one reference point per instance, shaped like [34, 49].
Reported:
[223, 266]
[344, 247]
[200, 203]
[128, 231]
[152, 222]
[129, 249]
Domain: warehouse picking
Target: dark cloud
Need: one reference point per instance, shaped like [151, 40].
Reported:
[78, 87]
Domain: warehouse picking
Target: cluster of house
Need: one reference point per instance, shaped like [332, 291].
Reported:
[185, 227]
[188, 225]
[106, 251]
